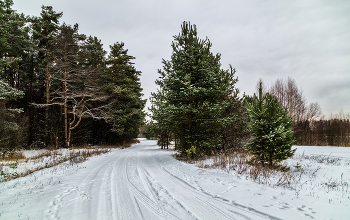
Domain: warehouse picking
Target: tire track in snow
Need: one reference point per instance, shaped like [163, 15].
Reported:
[192, 202]
[135, 176]
[97, 185]
[124, 204]
[155, 190]
[104, 206]
[89, 186]
[224, 201]
[152, 203]
[201, 205]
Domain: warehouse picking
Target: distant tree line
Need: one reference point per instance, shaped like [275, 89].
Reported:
[334, 131]
[59, 87]
[310, 126]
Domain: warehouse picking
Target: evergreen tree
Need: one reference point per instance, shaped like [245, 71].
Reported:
[149, 131]
[92, 128]
[12, 128]
[69, 91]
[195, 94]
[15, 46]
[271, 129]
[44, 29]
[76, 81]
[94, 53]
[122, 82]
[161, 129]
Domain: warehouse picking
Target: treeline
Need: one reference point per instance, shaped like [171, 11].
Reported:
[309, 125]
[60, 88]
[334, 131]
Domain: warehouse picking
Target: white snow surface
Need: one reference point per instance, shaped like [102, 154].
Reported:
[146, 182]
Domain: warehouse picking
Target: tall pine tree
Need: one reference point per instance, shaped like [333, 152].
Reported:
[195, 94]
[44, 31]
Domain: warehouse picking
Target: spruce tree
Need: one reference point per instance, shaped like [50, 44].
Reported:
[195, 94]
[270, 128]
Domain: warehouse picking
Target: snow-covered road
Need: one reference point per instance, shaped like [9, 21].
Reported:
[141, 182]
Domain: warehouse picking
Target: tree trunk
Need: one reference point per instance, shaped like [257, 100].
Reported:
[65, 104]
[30, 100]
[167, 139]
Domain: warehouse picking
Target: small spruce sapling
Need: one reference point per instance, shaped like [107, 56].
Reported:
[270, 128]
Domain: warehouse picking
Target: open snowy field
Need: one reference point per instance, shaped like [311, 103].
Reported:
[145, 182]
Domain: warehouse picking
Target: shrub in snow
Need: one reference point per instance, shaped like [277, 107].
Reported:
[191, 152]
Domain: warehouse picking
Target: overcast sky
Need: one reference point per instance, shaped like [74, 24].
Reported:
[306, 40]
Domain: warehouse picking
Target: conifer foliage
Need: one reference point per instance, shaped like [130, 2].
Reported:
[271, 129]
[11, 128]
[194, 95]
[61, 83]
[122, 82]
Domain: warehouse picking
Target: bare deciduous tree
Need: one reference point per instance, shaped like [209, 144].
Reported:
[292, 98]
[305, 116]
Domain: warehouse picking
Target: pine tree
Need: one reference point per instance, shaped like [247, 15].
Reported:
[11, 128]
[76, 81]
[68, 88]
[122, 82]
[270, 128]
[94, 60]
[44, 29]
[195, 94]
[15, 46]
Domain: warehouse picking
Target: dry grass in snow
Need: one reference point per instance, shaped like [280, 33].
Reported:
[22, 163]
[315, 175]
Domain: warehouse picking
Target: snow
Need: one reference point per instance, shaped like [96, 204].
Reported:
[39, 159]
[145, 182]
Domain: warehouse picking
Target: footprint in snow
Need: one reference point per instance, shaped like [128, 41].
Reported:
[284, 206]
[301, 208]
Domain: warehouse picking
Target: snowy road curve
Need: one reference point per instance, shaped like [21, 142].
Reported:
[141, 182]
